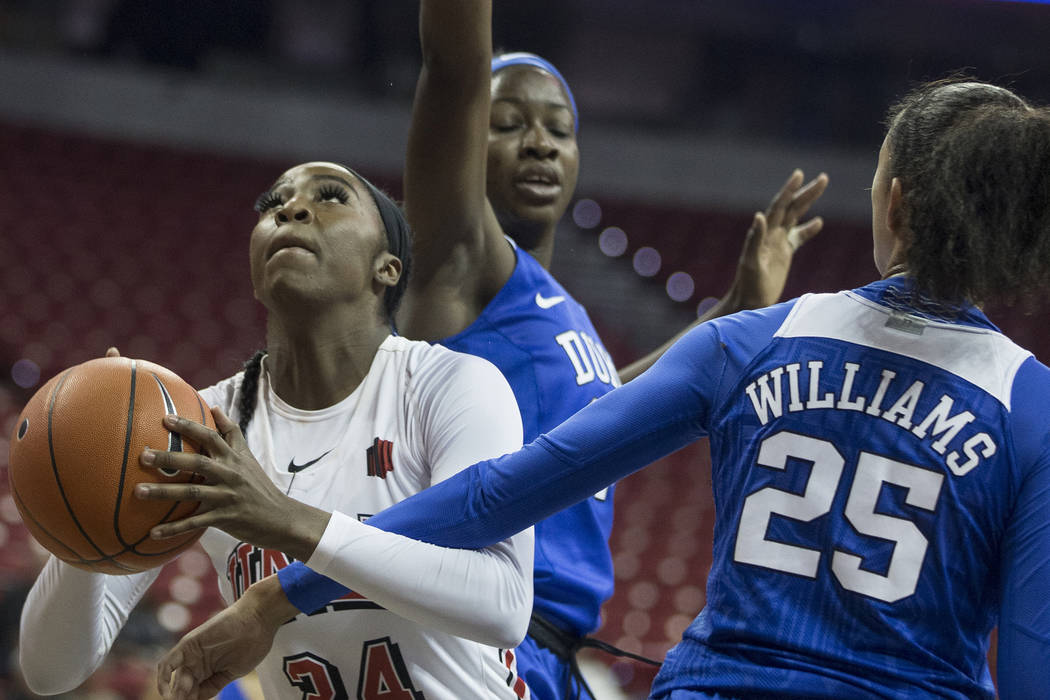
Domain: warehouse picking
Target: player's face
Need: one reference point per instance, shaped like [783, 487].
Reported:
[533, 160]
[318, 237]
[883, 239]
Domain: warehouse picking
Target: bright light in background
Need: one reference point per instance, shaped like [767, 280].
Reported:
[185, 590]
[680, 286]
[25, 373]
[587, 213]
[613, 242]
[705, 304]
[647, 261]
[173, 617]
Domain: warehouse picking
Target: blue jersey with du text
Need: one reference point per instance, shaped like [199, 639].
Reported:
[543, 342]
[881, 480]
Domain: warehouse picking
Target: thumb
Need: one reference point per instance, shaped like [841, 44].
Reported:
[230, 431]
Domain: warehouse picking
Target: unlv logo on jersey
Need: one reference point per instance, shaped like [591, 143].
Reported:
[248, 564]
[380, 458]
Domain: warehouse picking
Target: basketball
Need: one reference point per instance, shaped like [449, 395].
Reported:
[74, 463]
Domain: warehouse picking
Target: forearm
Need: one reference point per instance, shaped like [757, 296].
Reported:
[610, 438]
[484, 595]
[69, 621]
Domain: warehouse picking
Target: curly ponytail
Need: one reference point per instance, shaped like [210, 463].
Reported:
[974, 163]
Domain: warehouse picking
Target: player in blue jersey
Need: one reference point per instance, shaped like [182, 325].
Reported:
[491, 167]
[881, 456]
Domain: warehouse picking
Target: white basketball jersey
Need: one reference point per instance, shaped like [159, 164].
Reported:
[357, 457]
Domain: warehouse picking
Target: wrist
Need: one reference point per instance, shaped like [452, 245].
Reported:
[736, 299]
[268, 602]
[307, 527]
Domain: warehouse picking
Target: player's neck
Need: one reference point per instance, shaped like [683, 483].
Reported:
[315, 370]
[535, 238]
[542, 250]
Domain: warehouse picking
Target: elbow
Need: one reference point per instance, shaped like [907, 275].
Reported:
[39, 675]
[510, 625]
[505, 633]
[518, 628]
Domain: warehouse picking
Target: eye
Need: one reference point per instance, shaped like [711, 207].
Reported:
[267, 201]
[560, 132]
[506, 127]
[330, 193]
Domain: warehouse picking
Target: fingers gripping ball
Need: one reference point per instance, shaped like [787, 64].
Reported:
[74, 463]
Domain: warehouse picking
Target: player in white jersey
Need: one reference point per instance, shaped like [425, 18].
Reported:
[342, 419]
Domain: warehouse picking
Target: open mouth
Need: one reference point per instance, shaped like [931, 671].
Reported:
[538, 185]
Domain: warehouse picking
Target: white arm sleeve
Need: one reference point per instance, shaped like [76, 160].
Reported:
[69, 622]
[469, 414]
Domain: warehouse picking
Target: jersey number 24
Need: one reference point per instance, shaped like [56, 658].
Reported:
[901, 577]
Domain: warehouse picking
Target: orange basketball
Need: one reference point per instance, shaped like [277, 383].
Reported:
[74, 463]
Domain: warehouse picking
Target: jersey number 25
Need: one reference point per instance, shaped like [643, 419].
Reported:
[923, 489]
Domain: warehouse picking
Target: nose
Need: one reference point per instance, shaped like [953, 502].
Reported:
[537, 143]
[295, 209]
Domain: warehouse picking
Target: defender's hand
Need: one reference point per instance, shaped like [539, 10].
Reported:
[772, 241]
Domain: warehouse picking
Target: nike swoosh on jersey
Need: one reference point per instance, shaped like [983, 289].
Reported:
[547, 302]
[293, 467]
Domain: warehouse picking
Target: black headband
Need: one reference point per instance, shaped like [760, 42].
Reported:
[398, 238]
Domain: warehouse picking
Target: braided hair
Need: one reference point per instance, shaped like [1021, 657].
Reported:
[974, 164]
[249, 390]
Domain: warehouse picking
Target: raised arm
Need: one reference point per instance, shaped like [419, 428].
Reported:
[460, 256]
[765, 259]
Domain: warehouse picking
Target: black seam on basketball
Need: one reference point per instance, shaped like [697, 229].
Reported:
[54, 464]
[124, 462]
[73, 557]
[26, 513]
[174, 439]
[186, 536]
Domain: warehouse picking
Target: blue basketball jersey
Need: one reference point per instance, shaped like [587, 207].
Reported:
[543, 342]
[881, 480]
[865, 471]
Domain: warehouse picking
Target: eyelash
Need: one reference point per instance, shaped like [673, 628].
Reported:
[557, 132]
[269, 200]
[333, 192]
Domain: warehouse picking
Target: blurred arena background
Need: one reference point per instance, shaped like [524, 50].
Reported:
[135, 135]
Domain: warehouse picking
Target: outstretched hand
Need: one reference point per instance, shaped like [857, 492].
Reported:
[236, 495]
[772, 240]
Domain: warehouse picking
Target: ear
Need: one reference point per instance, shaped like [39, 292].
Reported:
[897, 223]
[895, 218]
[387, 269]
